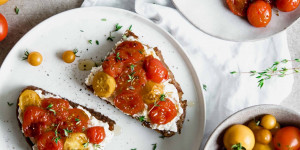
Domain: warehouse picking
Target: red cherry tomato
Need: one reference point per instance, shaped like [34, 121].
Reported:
[163, 113]
[287, 5]
[46, 141]
[35, 121]
[130, 51]
[129, 102]
[77, 121]
[238, 7]
[95, 134]
[287, 138]
[259, 13]
[3, 27]
[113, 65]
[58, 108]
[133, 76]
[155, 70]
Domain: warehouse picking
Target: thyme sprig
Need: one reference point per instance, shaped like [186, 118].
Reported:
[272, 71]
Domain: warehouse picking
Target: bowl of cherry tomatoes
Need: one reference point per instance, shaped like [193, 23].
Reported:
[261, 127]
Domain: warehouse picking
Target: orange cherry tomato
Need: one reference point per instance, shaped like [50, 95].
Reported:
[132, 78]
[35, 58]
[57, 108]
[130, 51]
[95, 134]
[46, 141]
[68, 56]
[163, 113]
[259, 13]
[155, 70]
[129, 102]
[238, 7]
[113, 65]
[287, 5]
[3, 27]
[287, 138]
[35, 121]
[77, 121]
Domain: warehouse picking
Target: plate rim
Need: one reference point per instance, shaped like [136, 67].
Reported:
[180, 50]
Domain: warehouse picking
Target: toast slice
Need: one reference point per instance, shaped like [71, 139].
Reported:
[171, 88]
[95, 119]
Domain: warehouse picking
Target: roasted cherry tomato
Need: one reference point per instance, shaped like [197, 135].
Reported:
[35, 121]
[163, 112]
[58, 108]
[132, 78]
[268, 122]
[287, 5]
[77, 120]
[287, 138]
[238, 7]
[48, 141]
[113, 65]
[155, 70]
[95, 134]
[259, 13]
[69, 56]
[34, 58]
[130, 51]
[3, 27]
[129, 102]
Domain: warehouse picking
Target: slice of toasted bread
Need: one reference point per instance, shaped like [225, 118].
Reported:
[183, 103]
[97, 115]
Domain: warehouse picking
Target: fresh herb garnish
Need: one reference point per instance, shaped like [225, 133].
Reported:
[130, 27]
[162, 137]
[26, 53]
[81, 31]
[131, 77]
[50, 106]
[103, 19]
[204, 86]
[118, 56]
[132, 67]
[83, 129]
[162, 97]
[77, 121]
[54, 112]
[66, 131]
[154, 146]
[140, 52]
[238, 147]
[75, 51]
[110, 38]
[85, 144]
[97, 42]
[142, 118]
[97, 146]
[9, 104]
[56, 137]
[155, 104]
[90, 41]
[272, 71]
[17, 10]
[133, 149]
[118, 27]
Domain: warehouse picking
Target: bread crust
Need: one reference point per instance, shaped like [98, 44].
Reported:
[97, 115]
[183, 103]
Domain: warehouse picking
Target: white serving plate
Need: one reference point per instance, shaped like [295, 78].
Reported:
[214, 18]
[63, 32]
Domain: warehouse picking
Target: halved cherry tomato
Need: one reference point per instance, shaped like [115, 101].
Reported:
[3, 27]
[58, 108]
[95, 134]
[35, 121]
[113, 65]
[47, 141]
[130, 51]
[76, 122]
[287, 5]
[136, 78]
[287, 138]
[155, 70]
[163, 113]
[259, 13]
[238, 7]
[129, 102]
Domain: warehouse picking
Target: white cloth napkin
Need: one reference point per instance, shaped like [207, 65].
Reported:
[214, 59]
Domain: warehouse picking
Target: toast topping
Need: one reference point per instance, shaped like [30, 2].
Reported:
[103, 84]
[28, 98]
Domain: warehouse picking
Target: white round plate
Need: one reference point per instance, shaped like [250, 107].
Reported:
[73, 29]
[214, 18]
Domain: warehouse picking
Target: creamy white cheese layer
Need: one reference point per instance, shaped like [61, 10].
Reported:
[169, 90]
[91, 123]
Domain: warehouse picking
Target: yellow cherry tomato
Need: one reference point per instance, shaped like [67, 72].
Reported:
[268, 122]
[253, 125]
[3, 2]
[69, 56]
[28, 98]
[76, 141]
[239, 134]
[34, 58]
[152, 92]
[263, 136]
[275, 129]
[103, 84]
[259, 146]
